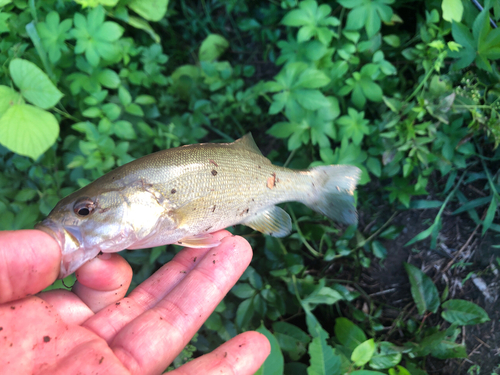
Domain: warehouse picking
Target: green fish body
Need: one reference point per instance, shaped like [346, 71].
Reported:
[181, 195]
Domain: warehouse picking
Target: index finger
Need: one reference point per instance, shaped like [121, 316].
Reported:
[29, 262]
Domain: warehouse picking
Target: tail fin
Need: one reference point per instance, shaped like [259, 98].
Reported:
[335, 188]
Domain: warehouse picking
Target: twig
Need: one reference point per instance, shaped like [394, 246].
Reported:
[464, 246]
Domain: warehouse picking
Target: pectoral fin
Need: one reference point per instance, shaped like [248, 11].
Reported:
[199, 241]
[272, 221]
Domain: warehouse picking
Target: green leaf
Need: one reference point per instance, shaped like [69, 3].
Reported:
[324, 360]
[291, 339]
[379, 250]
[452, 10]
[315, 21]
[310, 99]
[28, 130]
[463, 312]
[8, 97]
[449, 349]
[54, 34]
[124, 96]
[135, 110]
[34, 84]
[96, 38]
[243, 290]
[312, 79]
[274, 363]
[348, 333]
[422, 235]
[423, 290]
[244, 313]
[213, 47]
[490, 214]
[387, 355]
[111, 110]
[108, 78]
[124, 130]
[142, 24]
[363, 352]
[324, 295]
[145, 100]
[392, 40]
[152, 10]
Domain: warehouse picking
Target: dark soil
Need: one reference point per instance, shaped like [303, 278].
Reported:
[388, 284]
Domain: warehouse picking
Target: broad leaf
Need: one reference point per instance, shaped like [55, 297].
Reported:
[452, 10]
[8, 97]
[212, 47]
[348, 333]
[34, 84]
[463, 312]
[423, 290]
[363, 352]
[28, 130]
[152, 10]
[291, 339]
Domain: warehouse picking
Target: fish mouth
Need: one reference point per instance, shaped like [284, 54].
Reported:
[70, 240]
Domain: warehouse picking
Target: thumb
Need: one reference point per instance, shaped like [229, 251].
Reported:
[29, 262]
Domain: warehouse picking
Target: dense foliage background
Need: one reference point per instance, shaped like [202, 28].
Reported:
[408, 91]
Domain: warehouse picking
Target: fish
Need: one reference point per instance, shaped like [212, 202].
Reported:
[182, 195]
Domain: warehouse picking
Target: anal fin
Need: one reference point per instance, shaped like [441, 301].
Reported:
[199, 241]
[273, 221]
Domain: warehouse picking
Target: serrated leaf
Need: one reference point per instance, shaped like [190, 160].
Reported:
[28, 130]
[291, 339]
[274, 363]
[324, 360]
[34, 84]
[423, 290]
[463, 312]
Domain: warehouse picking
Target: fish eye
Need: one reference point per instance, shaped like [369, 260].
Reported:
[84, 207]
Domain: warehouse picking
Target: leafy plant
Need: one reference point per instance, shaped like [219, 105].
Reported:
[413, 102]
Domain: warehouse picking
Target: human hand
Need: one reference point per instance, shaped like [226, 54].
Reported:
[95, 329]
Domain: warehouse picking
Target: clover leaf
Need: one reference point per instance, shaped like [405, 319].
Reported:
[354, 126]
[367, 13]
[314, 21]
[297, 86]
[96, 38]
[362, 86]
[54, 34]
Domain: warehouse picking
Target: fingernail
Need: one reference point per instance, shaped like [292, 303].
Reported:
[105, 256]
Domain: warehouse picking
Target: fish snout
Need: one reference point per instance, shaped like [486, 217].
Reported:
[70, 240]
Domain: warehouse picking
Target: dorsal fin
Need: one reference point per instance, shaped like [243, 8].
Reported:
[247, 143]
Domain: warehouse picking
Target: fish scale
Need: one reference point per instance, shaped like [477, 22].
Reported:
[182, 195]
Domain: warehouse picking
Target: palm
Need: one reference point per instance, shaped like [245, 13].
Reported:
[95, 329]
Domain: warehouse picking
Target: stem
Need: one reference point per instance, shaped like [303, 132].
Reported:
[301, 236]
[376, 232]
[65, 114]
[290, 157]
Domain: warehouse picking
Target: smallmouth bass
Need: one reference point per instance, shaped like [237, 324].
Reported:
[181, 195]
